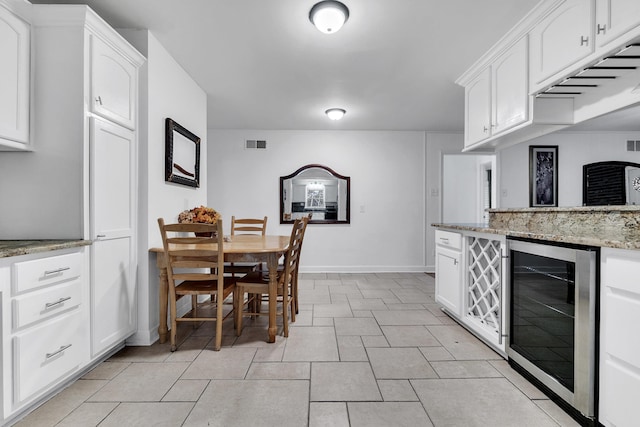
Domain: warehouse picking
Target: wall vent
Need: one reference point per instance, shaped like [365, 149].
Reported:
[633, 145]
[255, 144]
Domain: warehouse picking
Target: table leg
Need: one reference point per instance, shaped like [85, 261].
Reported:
[163, 291]
[272, 264]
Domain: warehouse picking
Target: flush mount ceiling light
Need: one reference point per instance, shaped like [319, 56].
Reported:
[329, 16]
[335, 113]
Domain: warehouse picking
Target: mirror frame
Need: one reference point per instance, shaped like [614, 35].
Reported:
[186, 177]
[316, 221]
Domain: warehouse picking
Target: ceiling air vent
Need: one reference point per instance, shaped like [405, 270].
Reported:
[255, 144]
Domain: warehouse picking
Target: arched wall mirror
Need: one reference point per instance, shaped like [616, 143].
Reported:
[316, 190]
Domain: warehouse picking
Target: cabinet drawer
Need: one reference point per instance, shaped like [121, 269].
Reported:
[46, 303]
[449, 239]
[46, 271]
[46, 353]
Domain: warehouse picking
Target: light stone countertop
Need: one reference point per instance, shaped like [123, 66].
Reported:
[9, 248]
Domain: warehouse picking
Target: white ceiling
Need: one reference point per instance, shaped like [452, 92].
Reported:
[264, 66]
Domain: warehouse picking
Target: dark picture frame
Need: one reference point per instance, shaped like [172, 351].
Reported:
[543, 175]
[182, 155]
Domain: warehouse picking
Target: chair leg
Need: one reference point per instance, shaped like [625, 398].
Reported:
[174, 324]
[239, 309]
[194, 307]
[219, 319]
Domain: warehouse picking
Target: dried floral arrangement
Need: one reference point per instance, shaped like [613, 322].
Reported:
[201, 214]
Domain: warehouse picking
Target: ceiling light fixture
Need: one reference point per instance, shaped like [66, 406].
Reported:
[329, 16]
[335, 113]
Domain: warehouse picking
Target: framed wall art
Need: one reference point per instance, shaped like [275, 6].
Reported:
[543, 176]
[182, 155]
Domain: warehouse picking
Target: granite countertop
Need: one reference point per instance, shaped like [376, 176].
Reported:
[606, 237]
[9, 248]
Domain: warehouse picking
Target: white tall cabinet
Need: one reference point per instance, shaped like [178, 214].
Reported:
[85, 77]
[15, 49]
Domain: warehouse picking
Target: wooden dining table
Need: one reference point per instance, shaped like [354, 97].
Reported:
[239, 248]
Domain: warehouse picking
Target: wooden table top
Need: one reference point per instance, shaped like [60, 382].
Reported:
[247, 243]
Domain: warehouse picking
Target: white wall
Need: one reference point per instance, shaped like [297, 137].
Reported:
[387, 169]
[575, 149]
[166, 90]
[437, 145]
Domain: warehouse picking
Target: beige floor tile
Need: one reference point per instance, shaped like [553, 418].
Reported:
[436, 353]
[375, 341]
[232, 363]
[357, 326]
[153, 353]
[105, 371]
[479, 402]
[405, 317]
[310, 344]
[280, 371]
[62, 404]
[465, 369]
[377, 293]
[413, 296]
[185, 391]
[385, 414]
[367, 304]
[351, 349]
[362, 313]
[88, 414]
[554, 411]
[141, 382]
[397, 391]
[409, 336]
[323, 321]
[531, 391]
[157, 414]
[343, 381]
[461, 344]
[399, 363]
[332, 310]
[404, 306]
[256, 336]
[328, 414]
[242, 403]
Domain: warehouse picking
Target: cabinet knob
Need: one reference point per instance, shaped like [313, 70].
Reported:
[485, 129]
[99, 100]
[601, 29]
[584, 41]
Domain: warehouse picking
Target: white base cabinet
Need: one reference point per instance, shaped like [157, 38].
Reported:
[45, 318]
[619, 339]
[470, 283]
[449, 271]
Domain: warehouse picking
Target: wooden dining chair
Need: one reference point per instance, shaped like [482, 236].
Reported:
[254, 226]
[195, 267]
[256, 284]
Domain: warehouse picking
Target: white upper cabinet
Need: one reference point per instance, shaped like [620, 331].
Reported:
[478, 108]
[615, 18]
[113, 84]
[510, 89]
[561, 39]
[14, 81]
[497, 99]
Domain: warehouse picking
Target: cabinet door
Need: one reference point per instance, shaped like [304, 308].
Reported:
[614, 18]
[14, 79]
[510, 88]
[113, 84]
[619, 340]
[449, 279]
[113, 295]
[561, 39]
[478, 109]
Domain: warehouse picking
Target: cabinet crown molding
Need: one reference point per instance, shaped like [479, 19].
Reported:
[517, 32]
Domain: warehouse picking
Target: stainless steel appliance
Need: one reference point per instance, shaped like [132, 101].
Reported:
[553, 320]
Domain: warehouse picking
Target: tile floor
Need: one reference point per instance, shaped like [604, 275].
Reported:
[365, 350]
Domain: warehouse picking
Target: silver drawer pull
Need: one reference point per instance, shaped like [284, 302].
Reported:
[443, 240]
[60, 301]
[58, 351]
[57, 270]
